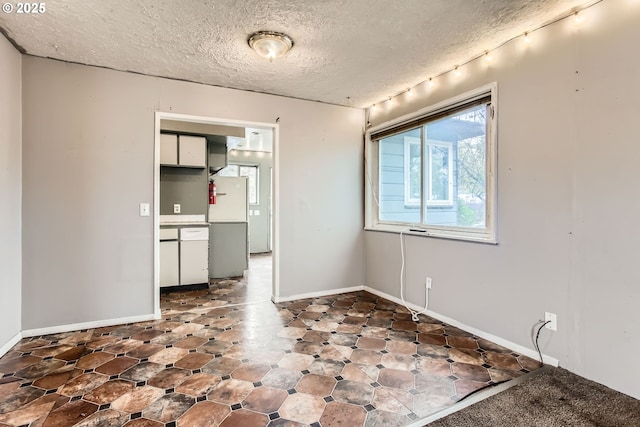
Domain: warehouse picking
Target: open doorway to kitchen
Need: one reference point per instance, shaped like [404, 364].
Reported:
[190, 152]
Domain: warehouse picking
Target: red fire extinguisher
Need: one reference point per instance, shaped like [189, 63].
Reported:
[212, 193]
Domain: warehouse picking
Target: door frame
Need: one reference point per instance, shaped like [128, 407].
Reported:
[159, 115]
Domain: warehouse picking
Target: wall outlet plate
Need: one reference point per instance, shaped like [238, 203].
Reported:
[176, 208]
[552, 319]
[428, 282]
[144, 209]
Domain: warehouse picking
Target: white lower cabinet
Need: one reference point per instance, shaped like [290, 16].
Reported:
[184, 256]
[169, 263]
[194, 262]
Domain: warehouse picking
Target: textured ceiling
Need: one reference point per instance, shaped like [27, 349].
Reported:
[347, 52]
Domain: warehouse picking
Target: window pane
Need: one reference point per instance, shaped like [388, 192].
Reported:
[439, 173]
[229, 170]
[413, 165]
[400, 177]
[252, 173]
[456, 178]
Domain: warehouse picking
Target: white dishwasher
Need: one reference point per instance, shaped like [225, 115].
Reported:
[194, 255]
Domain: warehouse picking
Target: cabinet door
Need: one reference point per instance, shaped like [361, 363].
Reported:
[168, 149]
[194, 262]
[192, 151]
[169, 263]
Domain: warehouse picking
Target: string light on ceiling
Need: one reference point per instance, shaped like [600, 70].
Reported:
[488, 56]
[578, 18]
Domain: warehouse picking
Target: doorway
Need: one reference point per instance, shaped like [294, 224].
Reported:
[267, 207]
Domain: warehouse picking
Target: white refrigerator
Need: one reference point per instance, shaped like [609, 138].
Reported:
[229, 228]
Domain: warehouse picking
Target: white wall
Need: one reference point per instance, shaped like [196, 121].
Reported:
[568, 174]
[10, 193]
[88, 163]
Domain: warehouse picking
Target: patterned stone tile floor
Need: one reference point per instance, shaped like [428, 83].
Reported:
[351, 359]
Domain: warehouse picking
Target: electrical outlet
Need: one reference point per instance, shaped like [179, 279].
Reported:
[553, 321]
[176, 208]
[427, 282]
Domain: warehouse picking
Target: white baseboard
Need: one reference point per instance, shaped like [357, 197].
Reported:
[319, 294]
[13, 341]
[482, 334]
[88, 325]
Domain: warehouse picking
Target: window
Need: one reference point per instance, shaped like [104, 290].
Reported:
[229, 170]
[439, 177]
[251, 172]
[433, 171]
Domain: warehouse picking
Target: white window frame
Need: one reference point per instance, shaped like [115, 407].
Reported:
[408, 199]
[257, 183]
[429, 144]
[426, 153]
[486, 235]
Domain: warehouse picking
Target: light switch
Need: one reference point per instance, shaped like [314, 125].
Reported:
[176, 208]
[144, 209]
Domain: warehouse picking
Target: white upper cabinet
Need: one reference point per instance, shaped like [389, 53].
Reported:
[192, 151]
[183, 150]
[168, 149]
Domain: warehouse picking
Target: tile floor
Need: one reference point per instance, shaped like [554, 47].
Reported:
[226, 356]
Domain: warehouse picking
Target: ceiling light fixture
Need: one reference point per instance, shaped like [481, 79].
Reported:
[270, 44]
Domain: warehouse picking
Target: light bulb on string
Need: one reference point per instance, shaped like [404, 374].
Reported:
[527, 38]
[430, 82]
[409, 92]
[488, 56]
[457, 72]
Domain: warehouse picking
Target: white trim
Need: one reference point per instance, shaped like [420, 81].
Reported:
[159, 115]
[88, 325]
[452, 322]
[320, 294]
[275, 214]
[156, 214]
[489, 233]
[482, 334]
[420, 231]
[13, 341]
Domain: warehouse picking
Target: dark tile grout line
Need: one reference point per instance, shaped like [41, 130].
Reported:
[171, 314]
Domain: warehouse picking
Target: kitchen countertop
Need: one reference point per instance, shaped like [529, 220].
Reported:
[185, 224]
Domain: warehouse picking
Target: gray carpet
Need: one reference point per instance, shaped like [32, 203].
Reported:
[553, 398]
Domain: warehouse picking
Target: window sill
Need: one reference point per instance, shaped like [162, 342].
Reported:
[434, 233]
